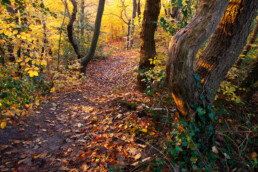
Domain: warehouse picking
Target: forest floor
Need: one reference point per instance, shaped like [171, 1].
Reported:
[100, 123]
[86, 128]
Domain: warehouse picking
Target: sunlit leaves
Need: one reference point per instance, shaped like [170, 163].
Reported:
[3, 124]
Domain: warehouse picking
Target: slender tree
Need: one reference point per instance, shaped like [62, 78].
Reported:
[148, 49]
[86, 59]
[70, 30]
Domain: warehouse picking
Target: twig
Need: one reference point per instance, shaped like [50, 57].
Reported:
[237, 131]
[159, 109]
[171, 165]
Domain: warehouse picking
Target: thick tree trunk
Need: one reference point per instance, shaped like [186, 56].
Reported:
[148, 50]
[182, 51]
[85, 60]
[70, 30]
[248, 45]
[225, 45]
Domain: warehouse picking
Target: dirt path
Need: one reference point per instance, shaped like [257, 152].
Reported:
[86, 130]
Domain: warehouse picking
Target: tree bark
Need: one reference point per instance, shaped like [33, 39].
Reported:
[85, 60]
[251, 81]
[82, 23]
[182, 51]
[70, 30]
[225, 45]
[148, 50]
[60, 36]
[248, 45]
[132, 24]
[138, 8]
[174, 13]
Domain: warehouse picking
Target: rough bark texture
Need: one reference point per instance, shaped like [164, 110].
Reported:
[148, 50]
[182, 51]
[225, 45]
[248, 45]
[85, 60]
[251, 81]
[70, 30]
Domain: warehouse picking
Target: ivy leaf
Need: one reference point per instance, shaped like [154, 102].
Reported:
[179, 149]
[193, 159]
[201, 111]
[226, 156]
[212, 116]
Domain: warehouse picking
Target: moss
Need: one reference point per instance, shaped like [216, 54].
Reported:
[127, 104]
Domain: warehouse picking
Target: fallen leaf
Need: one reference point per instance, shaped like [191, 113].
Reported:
[138, 156]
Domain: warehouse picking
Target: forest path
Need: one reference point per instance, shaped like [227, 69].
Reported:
[82, 130]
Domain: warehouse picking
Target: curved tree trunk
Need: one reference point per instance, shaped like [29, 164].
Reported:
[225, 45]
[182, 51]
[85, 60]
[70, 30]
[148, 50]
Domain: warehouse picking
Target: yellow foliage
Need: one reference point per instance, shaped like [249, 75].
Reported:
[144, 130]
[43, 63]
[3, 124]
[33, 73]
[52, 90]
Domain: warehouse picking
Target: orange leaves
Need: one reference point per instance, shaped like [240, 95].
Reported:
[98, 138]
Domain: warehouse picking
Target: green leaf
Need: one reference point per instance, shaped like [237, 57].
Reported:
[41, 5]
[179, 149]
[193, 159]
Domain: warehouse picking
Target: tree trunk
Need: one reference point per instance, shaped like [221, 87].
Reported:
[128, 35]
[138, 8]
[70, 30]
[174, 11]
[248, 45]
[225, 45]
[182, 51]
[132, 24]
[2, 56]
[60, 36]
[82, 24]
[148, 50]
[85, 60]
[251, 81]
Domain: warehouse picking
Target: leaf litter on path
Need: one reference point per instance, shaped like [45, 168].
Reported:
[85, 130]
